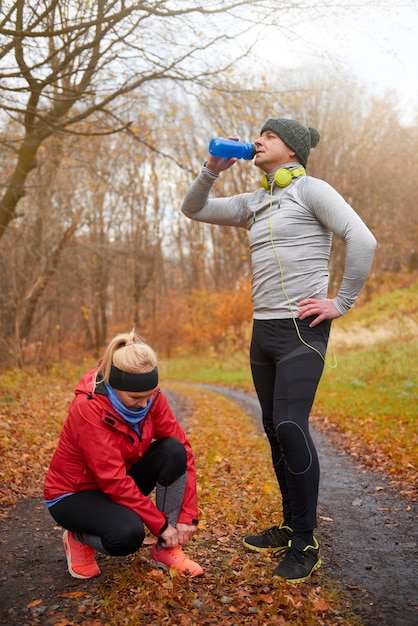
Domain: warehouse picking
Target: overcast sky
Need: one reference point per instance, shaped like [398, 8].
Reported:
[377, 46]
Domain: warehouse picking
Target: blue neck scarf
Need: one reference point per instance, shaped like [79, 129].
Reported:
[132, 417]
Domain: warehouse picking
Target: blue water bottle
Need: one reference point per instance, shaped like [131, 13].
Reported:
[232, 148]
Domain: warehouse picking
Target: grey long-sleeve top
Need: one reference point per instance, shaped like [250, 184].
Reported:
[290, 234]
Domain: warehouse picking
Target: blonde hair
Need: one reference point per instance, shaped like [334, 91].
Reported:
[128, 352]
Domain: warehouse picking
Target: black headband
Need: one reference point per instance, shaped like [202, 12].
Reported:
[128, 381]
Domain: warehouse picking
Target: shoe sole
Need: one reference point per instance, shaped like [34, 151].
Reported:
[264, 550]
[296, 581]
[159, 565]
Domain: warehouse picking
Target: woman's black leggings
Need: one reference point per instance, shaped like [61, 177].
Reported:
[286, 374]
[120, 529]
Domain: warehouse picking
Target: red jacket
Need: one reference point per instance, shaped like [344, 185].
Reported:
[97, 448]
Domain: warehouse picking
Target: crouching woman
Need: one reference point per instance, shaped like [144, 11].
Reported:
[119, 443]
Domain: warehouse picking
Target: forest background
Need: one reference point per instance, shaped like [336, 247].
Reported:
[106, 112]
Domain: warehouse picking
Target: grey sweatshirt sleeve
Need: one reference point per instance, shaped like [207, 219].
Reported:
[198, 206]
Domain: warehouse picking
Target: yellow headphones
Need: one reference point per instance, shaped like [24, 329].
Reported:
[283, 177]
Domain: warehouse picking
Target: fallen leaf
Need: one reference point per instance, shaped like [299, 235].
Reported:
[148, 541]
[321, 606]
[266, 597]
[75, 594]
[34, 603]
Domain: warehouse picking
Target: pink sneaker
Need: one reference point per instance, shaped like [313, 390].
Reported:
[175, 557]
[81, 559]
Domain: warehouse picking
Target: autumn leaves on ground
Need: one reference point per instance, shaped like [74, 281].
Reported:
[237, 495]
[237, 491]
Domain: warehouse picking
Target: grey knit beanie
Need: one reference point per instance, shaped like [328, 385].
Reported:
[295, 135]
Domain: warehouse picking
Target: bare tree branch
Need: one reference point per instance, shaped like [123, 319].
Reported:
[65, 63]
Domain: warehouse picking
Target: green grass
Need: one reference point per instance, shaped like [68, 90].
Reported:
[372, 396]
[379, 380]
[398, 306]
[232, 370]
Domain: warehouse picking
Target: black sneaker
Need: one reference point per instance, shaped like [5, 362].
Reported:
[299, 562]
[275, 539]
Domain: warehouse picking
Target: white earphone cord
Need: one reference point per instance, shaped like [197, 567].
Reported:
[334, 365]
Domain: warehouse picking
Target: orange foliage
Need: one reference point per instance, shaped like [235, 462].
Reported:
[202, 320]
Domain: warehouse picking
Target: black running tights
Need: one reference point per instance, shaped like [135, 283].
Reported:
[286, 373]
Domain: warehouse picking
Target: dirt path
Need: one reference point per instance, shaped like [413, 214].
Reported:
[367, 533]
